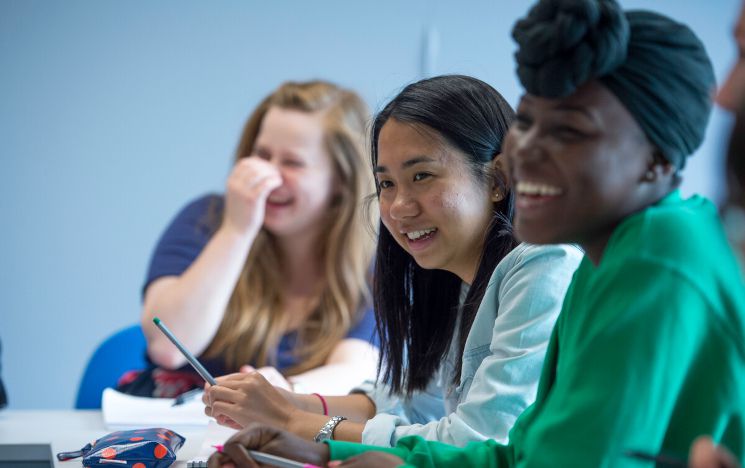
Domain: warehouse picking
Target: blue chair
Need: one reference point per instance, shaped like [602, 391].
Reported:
[121, 352]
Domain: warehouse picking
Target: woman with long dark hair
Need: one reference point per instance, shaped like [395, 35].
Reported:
[463, 310]
[649, 349]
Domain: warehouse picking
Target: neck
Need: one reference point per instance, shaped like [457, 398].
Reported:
[594, 249]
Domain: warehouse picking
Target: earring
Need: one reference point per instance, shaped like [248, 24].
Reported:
[650, 175]
[496, 196]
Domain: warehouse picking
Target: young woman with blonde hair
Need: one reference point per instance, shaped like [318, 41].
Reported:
[274, 274]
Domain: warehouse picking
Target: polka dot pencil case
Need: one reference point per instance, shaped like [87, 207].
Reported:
[141, 448]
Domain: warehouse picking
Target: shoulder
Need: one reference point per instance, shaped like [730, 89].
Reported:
[201, 213]
[202, 204]
[538, 258]
[671, 229]
[532, 280]
[683, 237]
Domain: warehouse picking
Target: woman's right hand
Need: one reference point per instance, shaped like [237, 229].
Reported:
[247, 189]
[268, 440]
[239, 399]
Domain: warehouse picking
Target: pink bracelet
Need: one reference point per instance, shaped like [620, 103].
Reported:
[323, 402]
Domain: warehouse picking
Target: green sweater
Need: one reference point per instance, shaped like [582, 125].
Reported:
[648, 353]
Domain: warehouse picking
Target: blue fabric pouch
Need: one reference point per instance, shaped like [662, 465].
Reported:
[140, 448]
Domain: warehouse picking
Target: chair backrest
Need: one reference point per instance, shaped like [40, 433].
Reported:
[121, 352]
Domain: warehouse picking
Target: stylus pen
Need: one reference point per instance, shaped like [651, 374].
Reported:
[189, 357]
[272, 460]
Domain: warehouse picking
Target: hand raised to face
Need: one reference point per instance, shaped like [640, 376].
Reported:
[246, 192]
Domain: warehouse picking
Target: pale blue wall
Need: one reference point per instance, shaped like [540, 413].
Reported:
[113, 114]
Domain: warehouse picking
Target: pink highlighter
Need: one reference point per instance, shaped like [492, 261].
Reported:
[273, 460]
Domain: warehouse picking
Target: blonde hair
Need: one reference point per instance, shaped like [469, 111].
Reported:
[255, 320]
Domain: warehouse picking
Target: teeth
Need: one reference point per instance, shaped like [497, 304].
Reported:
[535, 188]
[414, 235]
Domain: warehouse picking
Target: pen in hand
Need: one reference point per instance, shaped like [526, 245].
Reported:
[189, 357]
[272, 460]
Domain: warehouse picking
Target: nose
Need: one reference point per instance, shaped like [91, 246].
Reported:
[404, 206]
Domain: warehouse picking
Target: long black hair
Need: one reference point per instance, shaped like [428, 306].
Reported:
[417, 309]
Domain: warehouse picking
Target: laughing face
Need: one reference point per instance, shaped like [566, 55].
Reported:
[430, 200]
[293, 142]
[579, 165]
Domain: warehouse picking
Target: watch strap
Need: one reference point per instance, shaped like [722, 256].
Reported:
[327, 431]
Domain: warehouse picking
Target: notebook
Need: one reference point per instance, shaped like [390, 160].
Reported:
[123, 412]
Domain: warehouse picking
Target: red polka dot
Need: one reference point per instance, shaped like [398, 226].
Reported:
[160, 451]
[108, 452]
[136, 439]
[138, 465]
[163, 437]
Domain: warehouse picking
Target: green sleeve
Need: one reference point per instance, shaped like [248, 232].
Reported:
[625, 352]
[341, 450]
[416, 451]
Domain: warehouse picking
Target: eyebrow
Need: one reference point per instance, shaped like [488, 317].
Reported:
[568, 108]
[579, 109]
[406, 164]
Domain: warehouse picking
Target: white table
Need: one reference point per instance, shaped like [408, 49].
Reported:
[69, 430]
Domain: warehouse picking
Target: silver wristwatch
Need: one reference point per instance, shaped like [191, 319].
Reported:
[327, 431]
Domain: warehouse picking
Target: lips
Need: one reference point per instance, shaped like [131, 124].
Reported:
[537, 189]
[416, 235]
[534, 194]
[419, 239]
[279, 200]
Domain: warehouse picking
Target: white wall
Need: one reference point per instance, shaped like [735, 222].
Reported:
[114, 114]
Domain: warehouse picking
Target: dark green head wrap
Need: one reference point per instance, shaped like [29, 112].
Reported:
[656, 67]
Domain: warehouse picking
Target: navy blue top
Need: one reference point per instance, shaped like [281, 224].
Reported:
[184, 240]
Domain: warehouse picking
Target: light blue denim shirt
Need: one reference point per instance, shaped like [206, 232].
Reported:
[502, 358]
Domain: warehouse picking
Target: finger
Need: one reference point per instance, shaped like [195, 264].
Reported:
[218, 460]
[232, 394]
[233, 424]
[247, 369]
[226, 410]
[239, 455]
[264, 187]
[231, 377]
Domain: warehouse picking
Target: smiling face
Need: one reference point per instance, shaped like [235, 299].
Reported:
[579, 165]
[293, 142]
[430, 200]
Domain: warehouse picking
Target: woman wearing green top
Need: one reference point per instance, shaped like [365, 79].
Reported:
[649, 349]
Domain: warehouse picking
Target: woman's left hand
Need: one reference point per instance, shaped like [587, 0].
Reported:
[268, 440]
[240, 399]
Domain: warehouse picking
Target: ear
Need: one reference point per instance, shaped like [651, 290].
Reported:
[658, 168]
[499, 178]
